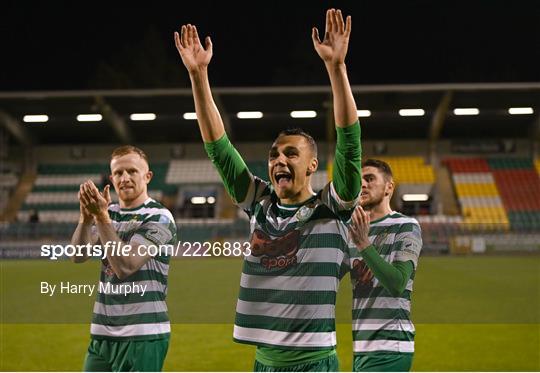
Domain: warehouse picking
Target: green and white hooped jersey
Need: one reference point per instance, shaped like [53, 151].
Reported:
[122, 315]
[289, 282]
[381, 322]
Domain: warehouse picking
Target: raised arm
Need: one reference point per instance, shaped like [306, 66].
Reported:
[346, 172]
[230, 165]
[196, 59]
[332, 51]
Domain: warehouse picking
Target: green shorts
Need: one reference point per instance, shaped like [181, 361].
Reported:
[382, 362]
[328, 364]
[124, 356]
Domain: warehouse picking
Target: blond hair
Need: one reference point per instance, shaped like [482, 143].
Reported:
[128, 149]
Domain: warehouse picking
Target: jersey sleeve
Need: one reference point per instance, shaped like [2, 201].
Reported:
[258, 189]
[231, 167]
[244, 188]
[158, 229]
[393, 276]
[409, 243]
[341, 208]
[346, 170]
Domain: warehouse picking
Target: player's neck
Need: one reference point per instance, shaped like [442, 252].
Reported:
[379, 211]
[298, 199]
[133, 203]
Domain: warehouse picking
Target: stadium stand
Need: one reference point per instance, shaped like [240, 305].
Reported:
[519, 186]
[8, 181]
[478, 195]
[192, 172]
[54, 194]
[498, 193]
[410, 170]
[484, 188]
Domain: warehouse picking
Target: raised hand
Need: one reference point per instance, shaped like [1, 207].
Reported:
[85, 215]
[193, 55]
[359, 228]
[92, 200]
[107, 194]
[333, 48]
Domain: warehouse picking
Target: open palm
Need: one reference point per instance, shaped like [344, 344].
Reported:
[193, 55]
[333, 48]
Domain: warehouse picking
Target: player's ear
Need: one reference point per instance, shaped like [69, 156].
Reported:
[389, 189]
[313, 165]
[149, 176]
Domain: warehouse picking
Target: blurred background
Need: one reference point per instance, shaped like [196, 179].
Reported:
[448, 94]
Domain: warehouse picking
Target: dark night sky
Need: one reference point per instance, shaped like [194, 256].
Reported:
[68, 45]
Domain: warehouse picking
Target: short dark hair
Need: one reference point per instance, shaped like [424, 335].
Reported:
[300, 132]
[128, 149]
[382, 166]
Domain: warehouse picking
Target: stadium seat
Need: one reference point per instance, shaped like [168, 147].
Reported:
[410, 170]
[194, 171]
[8, 182]
[54, 194]
[506, 192]
[477, 193]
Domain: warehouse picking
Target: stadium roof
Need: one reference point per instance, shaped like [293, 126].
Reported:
[275, 103]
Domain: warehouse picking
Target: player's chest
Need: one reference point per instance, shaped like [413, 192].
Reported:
[125, 229]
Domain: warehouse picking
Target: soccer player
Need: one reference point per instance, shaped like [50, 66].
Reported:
[130, 327]
[383, 263]
[286, 304]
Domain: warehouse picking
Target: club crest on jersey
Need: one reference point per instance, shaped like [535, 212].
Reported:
[304, 213]
[278, 252]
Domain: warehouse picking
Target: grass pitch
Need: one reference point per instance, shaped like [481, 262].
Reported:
[471, 313]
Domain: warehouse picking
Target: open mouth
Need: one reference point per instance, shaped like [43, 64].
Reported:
[282, 178]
